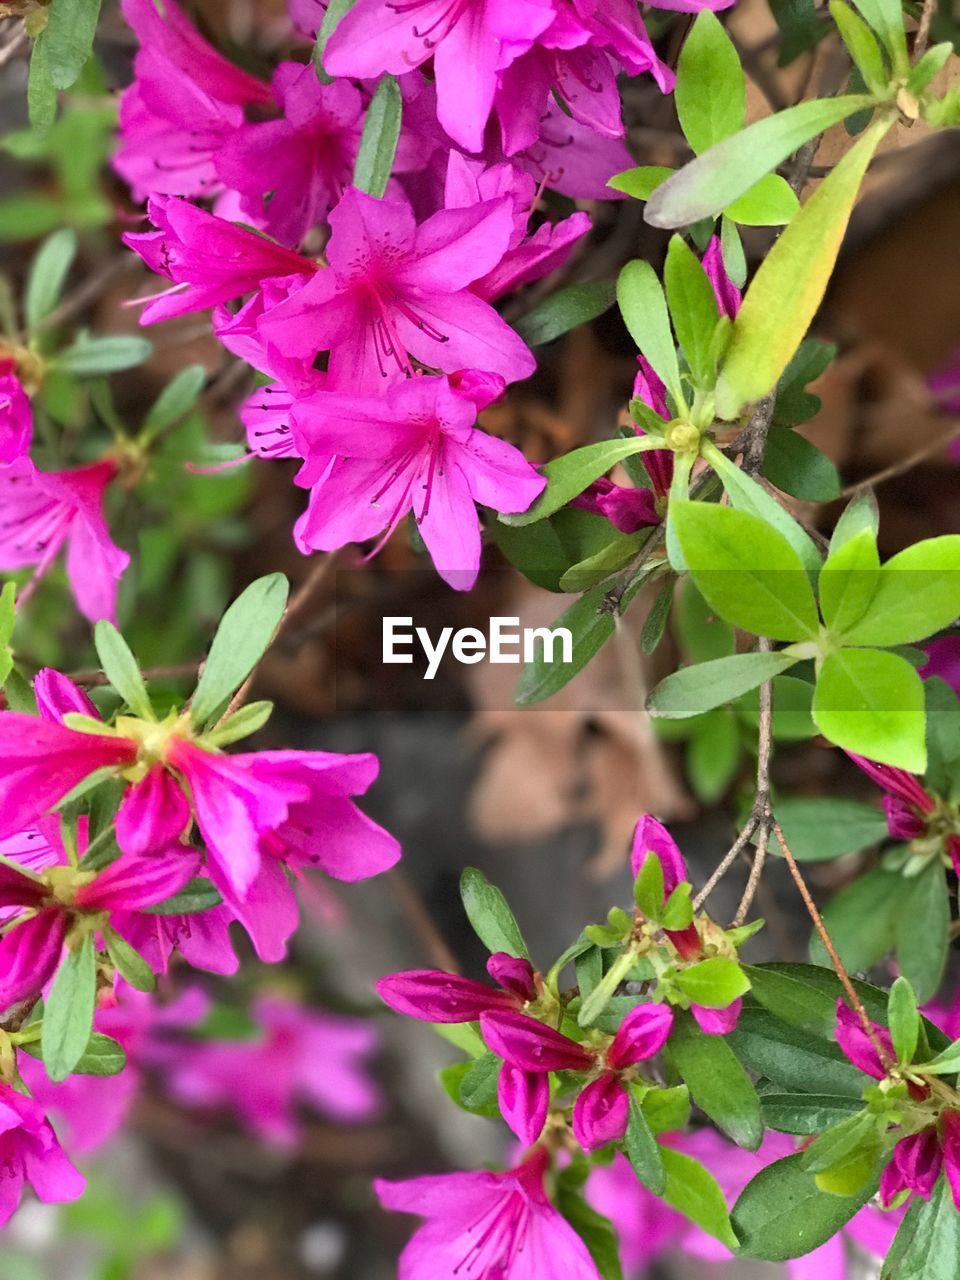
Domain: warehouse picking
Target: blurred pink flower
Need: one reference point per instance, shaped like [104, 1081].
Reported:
[41, 512]
[30, 1154]
[487, 1225]
[16, 419]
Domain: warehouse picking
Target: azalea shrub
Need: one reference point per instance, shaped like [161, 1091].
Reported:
[381, 215]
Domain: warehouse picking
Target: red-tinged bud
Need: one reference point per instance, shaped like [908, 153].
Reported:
[601, 1113]
[514, 975]
[642, 1034]
[434, 996]
[914, 1165]
[530, 1044]
[524, 1099]
[652, 836]
[717, 1022]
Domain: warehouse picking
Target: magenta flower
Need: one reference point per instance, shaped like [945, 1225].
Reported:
[434, 996]
[378, 36]
[905, 802]
[291, 172]
[570, 158]
[16, 419]
[396, 292]
[857, 1045]
[727, 294]
[469, 182]
[301, 1056]
[531, 1049]
[417, 450]
[41, 512]
[481, 1225]
[208, 259]
[627, 509]
[30, 951]
[943, 660]
[30, 1154]
[202, 938]
[914, 1166]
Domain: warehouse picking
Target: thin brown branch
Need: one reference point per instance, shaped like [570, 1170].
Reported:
[922, 38]
[905, 464]
[762, 807]
[845, 980]
[421, 922]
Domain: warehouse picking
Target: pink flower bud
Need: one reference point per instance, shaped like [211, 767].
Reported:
[717, 1022]
[951, 1152]
[530, 1044]
[601, 1113]
[855, 1042]
[434, 996]
[642, 1034]
[524, 1099]
[652, 836]
[514, 975]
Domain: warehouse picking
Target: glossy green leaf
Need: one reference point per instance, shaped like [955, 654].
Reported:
[710, 183]
[849, 581]
[918, 594]
[922, 931]
[378, 142]
[591, 626]
[571, 473]
[693, 1191]
[242, 638]
[692, 304]
[648, 886]
[693, 690]
[872, 703]
[68, 1010]
[566, 309]
[198, 895]
[121, 669]
[771, 202]
[927, 1243]
[862, 920]
[641, 1149]
[886, 18]
[746, 571]
[820, 828]
[861, 45]
[250, 718]
[642, 181]
[711, 96]
[490, 915]
[714, 983]
[861, 513]
[69, 38]
[702, 634]
[799, 468]
[786, 291]
[130, 965]
[796, 1060]
[903, 1019]
[716, 1080]
[644, 310]
[794, 1113]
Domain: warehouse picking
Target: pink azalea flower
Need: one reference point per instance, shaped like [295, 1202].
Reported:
[434, 996]
[531, 1050]
[487, 1224]
[291, 172]
[527, 258]
[208, 259]
[395, 292]
[30, 1154]
[570, 158]
[166, 36]
[727, 294]
[378, 36]
[41, 512]
[857, 1045]
[943, 660]
[652, 836]
[906, 802]
[30, 951]
[627, 509]
[302, 1056]
[417, 450]
[16, 419]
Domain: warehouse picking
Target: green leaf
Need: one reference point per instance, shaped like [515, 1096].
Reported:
[707, 185]
[849, 581]
[667, 1110]
[591, 627]
[711, 95]
[692, 304]
[943, 739]
[175, 400]
[918, 594]
[782, 1214]
[922, 931]
[794, 403]
[734, 259]
[746, 571]
[786, 291]
[903, 1019]
[488, 912]
[121, 669]
[791, 1058]
[678, 908]
[702, 635]
[793, 1113]
[242, 638]
[641, 1149]
[331, 20]
[69, 37]
[378, 142]
[820, 828]
[886, 18]
[478, 1087]
[860, 514]
[47, 274]
[41, 91]
[716, 1080]
[198, 895]
[799, 468]
[801, 27]
[68, 1011]
[130, 965]
[644, 310]
[103, 1056]
[927, 1243]
[861, 920]
[833, 1148]
[571, 473]
[8, 612]
[872, 703]
[89, 356]
[693, 690]
[714, 983]
[861, 45]
[771, 202]
[693, 1191]
[642, 181]
[946, 1063]
[713, 755]
[242, 724]
[566, 309]
[648, 886]
[933, 61]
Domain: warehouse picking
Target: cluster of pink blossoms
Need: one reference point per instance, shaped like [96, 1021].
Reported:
[384, 350]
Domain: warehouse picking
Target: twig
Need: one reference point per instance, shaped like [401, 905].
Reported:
[855, 1002]
[752, 441]
[13, 47]
[922, 38]
[905, 464]
[761, 806]
[729, 858]
[421, 922]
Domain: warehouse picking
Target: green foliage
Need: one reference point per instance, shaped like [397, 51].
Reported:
[378, 142]
[927, 1243]
[693, 308]
[69, 38]
[644, 309]
[68, 1011]
[641, 1149]
[335, 10]
[120, 667]
[693, 690]
[564, 310]
[488, 912]
[717, 1082]
[872, 703]
[571, 473]
[596, 1231]
[820, 828]
[693, 1191]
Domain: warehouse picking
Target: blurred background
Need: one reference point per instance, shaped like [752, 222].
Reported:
[265, 1104]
